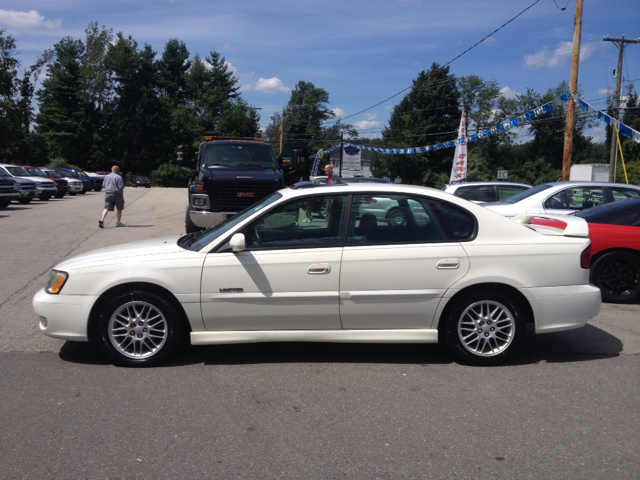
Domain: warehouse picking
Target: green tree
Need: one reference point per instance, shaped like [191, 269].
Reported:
[62, 122]
[239, 119]
[172, 69]
[429, 114]
[10, 131]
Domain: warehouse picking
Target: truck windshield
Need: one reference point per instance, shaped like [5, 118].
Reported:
[239, 155]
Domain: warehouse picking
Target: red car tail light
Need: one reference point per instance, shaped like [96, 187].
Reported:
[585, 257]
[369, 200]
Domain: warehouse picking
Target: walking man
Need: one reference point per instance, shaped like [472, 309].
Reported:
[113, 196]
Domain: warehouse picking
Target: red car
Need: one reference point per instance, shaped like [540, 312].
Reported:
[614, 229]
[62, 186]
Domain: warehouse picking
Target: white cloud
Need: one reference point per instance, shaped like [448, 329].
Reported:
[558, 57]
[604, 91]
[367, 125]
[339, 112]
[271, 85]
[370, 116]
[389, 107]
[509, 92]
[30, 20]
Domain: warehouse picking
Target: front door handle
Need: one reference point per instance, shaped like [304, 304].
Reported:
[448, 264]
[319, 269]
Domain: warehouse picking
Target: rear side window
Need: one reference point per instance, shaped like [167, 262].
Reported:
[477, 193]
[622, 193]
[576, 198]
[459, 224]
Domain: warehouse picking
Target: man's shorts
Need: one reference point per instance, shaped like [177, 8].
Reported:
[112, 200]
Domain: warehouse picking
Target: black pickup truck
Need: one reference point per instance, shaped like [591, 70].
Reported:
[234, 173]
[8, 190]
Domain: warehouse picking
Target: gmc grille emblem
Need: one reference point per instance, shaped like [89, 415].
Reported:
[245, 194]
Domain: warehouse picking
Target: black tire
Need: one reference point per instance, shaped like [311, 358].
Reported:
[148, 186]
[134, 186]
[59, 195]
[189, 226]
[483, 328]
[4, 204]
[97, 189]
[396, 218]
[617, 275]
[24, 201]
[44, 198]
[73, 194]
[82, 192]
[149, 340]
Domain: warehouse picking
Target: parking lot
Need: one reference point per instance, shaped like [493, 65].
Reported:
[567, 407]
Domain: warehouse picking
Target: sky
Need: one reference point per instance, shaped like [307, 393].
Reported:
[363, 52]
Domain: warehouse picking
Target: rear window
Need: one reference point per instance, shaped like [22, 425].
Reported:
[624, 212]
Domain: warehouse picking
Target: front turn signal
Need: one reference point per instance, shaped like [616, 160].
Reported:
[56, 281]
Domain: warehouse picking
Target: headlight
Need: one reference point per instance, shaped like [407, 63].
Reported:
[56, 282]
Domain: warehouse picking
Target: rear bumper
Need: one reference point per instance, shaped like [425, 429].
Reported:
[63, 316]
[563, 308]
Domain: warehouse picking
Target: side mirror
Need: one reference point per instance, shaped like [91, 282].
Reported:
[180, 155]
[237, 242]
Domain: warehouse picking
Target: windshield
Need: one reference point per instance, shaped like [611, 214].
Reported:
[36, 172]
[52, 174]
[526, 193]
[17, 171]
[236, 155]
[198, 240]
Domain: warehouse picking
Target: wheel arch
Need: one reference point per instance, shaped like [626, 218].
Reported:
[602, 253]
[508, 290]
[108, 295]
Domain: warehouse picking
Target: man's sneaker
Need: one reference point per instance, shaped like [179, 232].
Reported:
[120, 224]
[100, 223]
[307, 220]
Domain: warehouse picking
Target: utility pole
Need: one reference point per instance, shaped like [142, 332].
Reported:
[341, 153]
[573, 88]
[618, 42]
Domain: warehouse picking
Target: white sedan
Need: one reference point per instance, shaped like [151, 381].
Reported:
[453, 272]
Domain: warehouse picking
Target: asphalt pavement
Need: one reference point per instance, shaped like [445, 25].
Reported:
[567, 407]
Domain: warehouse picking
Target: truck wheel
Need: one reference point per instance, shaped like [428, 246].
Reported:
[24, 201]
[190, 227]
[4, 203]
[45, 197]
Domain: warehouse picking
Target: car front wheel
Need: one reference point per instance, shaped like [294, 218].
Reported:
[396, 218]
[617, 275]
[139, 329]
[483, 328]
[24, 201]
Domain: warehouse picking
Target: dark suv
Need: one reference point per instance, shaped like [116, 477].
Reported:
[8, 191]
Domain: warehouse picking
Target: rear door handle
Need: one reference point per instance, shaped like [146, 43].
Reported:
[319, 269]
[448, 264]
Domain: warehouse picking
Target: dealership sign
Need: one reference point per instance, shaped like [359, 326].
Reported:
[351, 159]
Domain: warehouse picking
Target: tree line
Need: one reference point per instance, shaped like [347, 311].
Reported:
[106, 100]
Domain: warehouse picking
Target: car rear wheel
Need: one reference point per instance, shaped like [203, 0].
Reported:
[483, 328]
[140, 329]
[617, 275]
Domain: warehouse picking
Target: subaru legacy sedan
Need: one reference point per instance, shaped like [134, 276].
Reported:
[453, 272]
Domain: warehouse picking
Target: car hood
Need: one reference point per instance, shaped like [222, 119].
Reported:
[120, 254]
[39, 179]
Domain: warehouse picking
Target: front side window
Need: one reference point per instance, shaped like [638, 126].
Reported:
[302, 223]
[506, 191]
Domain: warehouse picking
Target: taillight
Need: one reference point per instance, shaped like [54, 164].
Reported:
[369, 200]
[585, 257]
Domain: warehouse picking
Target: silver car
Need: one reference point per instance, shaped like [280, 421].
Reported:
[563, 198]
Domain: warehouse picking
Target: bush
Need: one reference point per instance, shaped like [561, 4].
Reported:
[60, 162]
[169, 175]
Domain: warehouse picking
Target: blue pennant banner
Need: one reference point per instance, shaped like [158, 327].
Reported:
[546, 108]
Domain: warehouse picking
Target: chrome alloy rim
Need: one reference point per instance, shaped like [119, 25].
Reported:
[137, 329]
[397, 219]
[486, 328]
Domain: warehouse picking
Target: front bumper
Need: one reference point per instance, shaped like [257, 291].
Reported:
[563, 308]
[205, 219]
[63, 316]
